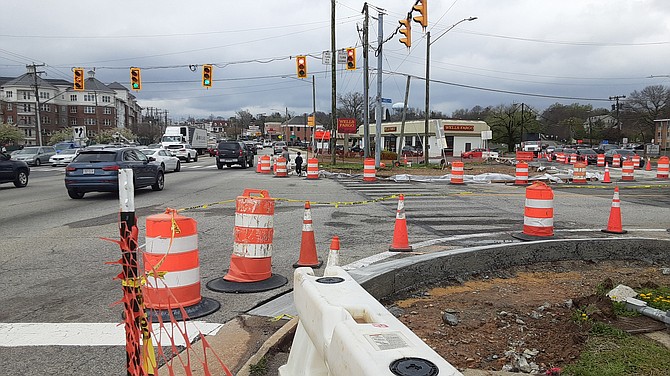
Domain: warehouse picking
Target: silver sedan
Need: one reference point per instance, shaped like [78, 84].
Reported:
[164, 159]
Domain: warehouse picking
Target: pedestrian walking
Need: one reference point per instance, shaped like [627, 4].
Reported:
[298, 164]
[286, 155]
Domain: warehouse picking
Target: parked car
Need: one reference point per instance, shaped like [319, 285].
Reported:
[35, 155]
[602, 148]
[625, 155]
[474, 153]
[587, 155]
[12, 171]
[98, 171]
[233, 152]
[64, 157]
[411, 151]
[164, 159]
[184, 152]
[278, 147]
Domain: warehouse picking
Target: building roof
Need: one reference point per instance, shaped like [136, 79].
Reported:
[28, 79]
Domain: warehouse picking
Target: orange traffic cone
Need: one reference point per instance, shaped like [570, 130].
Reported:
[648, 167]
[334, 253]
[400, 240]
[607, 179]
[308, 255]
[614, 223]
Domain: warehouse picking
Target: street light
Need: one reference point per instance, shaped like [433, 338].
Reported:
[428, 44]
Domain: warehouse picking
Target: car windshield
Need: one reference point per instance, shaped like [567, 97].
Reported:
[98, 156]
[148, 151]
[29, 150]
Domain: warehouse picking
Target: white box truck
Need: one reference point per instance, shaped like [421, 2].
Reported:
[183, 134]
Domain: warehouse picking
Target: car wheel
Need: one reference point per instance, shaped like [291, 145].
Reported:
[38, 162]
[244, 163]
[163, 166]
[21, 179]
[188, 158]
[160, 182]
[251, 163]
[196, 157]
[178, 167]
[75, 194]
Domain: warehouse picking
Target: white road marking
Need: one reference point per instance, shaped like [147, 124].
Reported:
[95, 334]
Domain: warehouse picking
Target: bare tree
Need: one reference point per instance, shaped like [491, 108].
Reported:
[640, 110]
[351, 106]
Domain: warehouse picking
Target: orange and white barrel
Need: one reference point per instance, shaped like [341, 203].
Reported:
[369, 171]
[171, 261]
[254, 230]
[616, 160]
[560, 157]
[457, 173]
[573, 158]
[521, 174]
[265, 164]
[628, 171]
[662, 167]
[601, 160]
[312, 168]
[579, 173]
[538, 218]
[636, 161]
[280, 168]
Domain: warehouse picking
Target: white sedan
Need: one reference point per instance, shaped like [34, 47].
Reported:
[164, 159]
[64, 157]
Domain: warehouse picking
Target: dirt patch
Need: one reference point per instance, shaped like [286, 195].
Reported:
[543, 311]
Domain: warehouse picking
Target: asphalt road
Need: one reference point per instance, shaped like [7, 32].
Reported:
[53, 262]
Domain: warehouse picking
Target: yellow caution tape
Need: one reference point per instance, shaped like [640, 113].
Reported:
[282, 316]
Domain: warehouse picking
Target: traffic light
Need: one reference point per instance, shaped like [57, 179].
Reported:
[407, 32]
[135, 79]
[207, 75]
[351, 59]
[301, 66]
[422, 7]
[78, 79]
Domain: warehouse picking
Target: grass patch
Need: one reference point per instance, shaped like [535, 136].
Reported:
[656, 298]
[260, 368]
[612, 352]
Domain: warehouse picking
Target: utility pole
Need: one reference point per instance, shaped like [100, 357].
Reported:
[426, 160]
[33, 69]
[333, 98]
[378, 110]
[366, 84]
[404, 114]
[616, 106]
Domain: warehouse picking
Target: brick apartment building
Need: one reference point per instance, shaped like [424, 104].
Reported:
[99, 107]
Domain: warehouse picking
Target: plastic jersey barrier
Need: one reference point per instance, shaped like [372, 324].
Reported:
[343, 330]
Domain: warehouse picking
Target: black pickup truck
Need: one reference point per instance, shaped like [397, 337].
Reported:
[12, 171]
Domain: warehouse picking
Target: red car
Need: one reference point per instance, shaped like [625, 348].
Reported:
[474, 153]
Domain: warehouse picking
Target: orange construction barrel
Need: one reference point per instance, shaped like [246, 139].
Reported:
[172, 266]
[251, 262]
[579, 173]
[265, 164]
[662, 167]
[369, 170]
[457, 172]
[280, 168]
[538, 217]
[312, 168]
[521, 172]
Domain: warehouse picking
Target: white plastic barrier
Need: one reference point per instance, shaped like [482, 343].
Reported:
[344, 331]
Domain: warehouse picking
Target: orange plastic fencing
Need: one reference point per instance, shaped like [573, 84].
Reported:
[524, 155]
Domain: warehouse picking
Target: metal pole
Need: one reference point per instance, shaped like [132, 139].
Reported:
[378, 111]
[366, 86]
[333, 99]
[311, 138]
[427, 115]
[404, 114]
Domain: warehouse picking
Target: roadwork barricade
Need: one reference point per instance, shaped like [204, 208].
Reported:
[538, 216]
[369, 170]
[344, 331]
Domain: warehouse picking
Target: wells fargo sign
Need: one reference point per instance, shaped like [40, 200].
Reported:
[346, 125]
[459, 128]
[390, 129]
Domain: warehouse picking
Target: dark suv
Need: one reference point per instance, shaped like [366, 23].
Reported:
[233, 152]
[13, 171]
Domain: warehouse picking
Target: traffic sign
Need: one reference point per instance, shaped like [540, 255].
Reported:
[387, 100]
[79, 133]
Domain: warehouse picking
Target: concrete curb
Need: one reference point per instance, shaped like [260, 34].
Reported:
[284, 332]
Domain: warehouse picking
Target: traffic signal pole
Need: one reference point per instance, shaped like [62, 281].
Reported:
[378, 111]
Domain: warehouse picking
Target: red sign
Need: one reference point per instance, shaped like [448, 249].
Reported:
[346, 125]
[459, 128]
[321, 135]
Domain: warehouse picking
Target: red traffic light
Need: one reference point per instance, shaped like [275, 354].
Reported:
[78, 79]
[301, 66]
[351, 59]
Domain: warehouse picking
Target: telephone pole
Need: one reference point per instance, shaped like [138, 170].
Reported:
[366, 85]
[333, 98]
[33, 69]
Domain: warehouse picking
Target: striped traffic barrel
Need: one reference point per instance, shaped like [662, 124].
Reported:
[369, 171]
[628, 171]
[265, 164]
[312, 168]
[579, 173]
[456, 172]
[573, 158]
[616, 160]
[636, 161]
[601, 160]
[172, 266]
[538, 218]
[251, 262]
[521, 174]
[280, 168]
[662, 167]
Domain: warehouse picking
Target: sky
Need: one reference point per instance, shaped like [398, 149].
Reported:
[537, 52]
